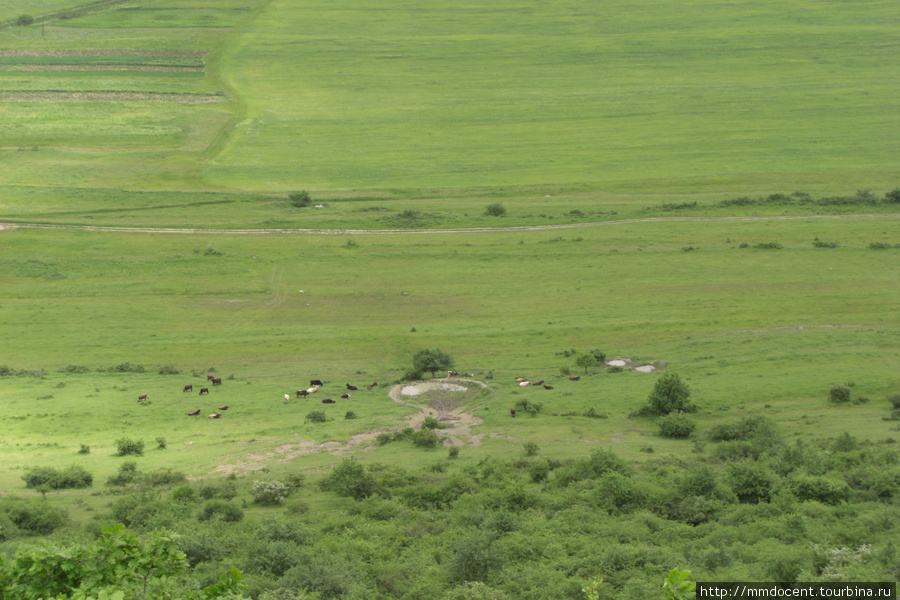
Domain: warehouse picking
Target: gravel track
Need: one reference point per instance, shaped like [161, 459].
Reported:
[6, 226]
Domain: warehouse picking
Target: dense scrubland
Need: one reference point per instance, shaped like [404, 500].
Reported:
[277, 192]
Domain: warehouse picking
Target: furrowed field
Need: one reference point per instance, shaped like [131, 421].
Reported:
[535, 189]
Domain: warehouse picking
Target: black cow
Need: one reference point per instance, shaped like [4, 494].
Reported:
[188, 388]
[345, 396]
[204, 391]
[314, 382]
[327, 401]
[352, 388]
[512, 413]
[541, 382]
[217, 381]
[548, 387]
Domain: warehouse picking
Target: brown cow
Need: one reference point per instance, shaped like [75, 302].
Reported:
[541, 382]
[142, 397]
[215, 415]
[452, 374]
[302, 393]
[188, 388]
[575, 378]
[217, 381]
[203, 391]
[512, 413]
[194, 413]
[223, 407]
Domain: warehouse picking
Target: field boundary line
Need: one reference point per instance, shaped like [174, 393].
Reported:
[514, 228]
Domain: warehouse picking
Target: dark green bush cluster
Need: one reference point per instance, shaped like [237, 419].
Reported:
[29, 517]
[125, 367]
[221, 510]
[882, 246]
[169, 370]
[839, 393]
[821, 244]
[676, 425]
[316, 416]
[127, 446]
[526, 406]
[128, 473]
[426, 438]
[350, 478]
[768, 246]
[300, 199]
[495, 210]
[71, 477]
[862, 198]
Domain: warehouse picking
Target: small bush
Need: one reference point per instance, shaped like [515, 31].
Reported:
[316, 416]
[164, 476]
[24, 20]
[430, 423]
[531, 448]
[349, 415]
[820, 244]
[495, 210]
[769, 246]
[532, 408]
[126, 446]
[128, 473]
[85, 449]
[426, 438]
[185, 493]
[168, 370]
[161, 443]
[839, 393]
[269, 493]
[894, 399]
[383, 438]
[881, 246]
[676, 425]
[300, 199]
[222, 510]
[453, 452]
[592, 413]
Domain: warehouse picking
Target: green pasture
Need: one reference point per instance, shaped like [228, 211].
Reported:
[749, 329]
[605, 102]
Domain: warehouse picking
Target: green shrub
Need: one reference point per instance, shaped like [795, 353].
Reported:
[453, 452]
[474, 557]
[85, 449]
[751, 481]
[349, 415]
[894, 399]
[161, 443]
[676, 425]
[426, 438]
[820, 489]
[168, 370]
[350, 479]
[316, 416]
[164, 476]
[839, 393]
[24, 20]
[72, 477]
[495, 210]
[531, 448]
[430, 423]
[383, 438]
[185, 494]
[126, 446]
[128, 473]
[34, 518]
[769, 246]
[221, 509]
[300, 199]
[532, 408]
[269, 493]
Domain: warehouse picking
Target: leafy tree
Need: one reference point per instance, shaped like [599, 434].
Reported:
[24, 20]
[586, 360]
[269, 492]
[670, 394]
[432, 360]
[678, 586]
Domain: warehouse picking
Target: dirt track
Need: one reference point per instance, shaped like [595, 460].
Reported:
[429, 231]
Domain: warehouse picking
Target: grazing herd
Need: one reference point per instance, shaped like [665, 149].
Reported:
[315, 384]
